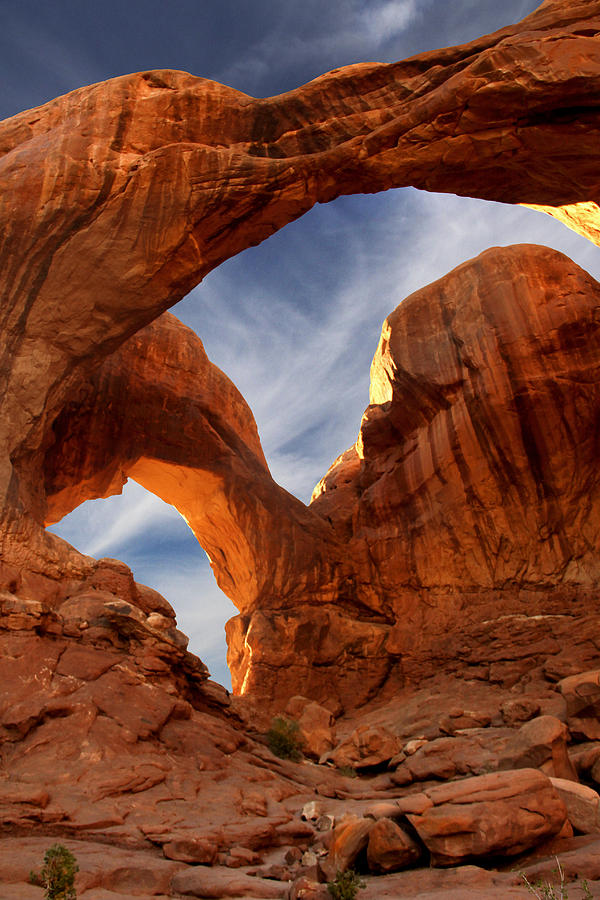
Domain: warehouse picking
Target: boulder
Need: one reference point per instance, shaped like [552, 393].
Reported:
[350, 838]
[368, 746]
[540, 743]
[316, 726]
[501, 814]
[391, 848]
[582, 695]
[191, 850]
[518, 710]
[582, 803]
[584, 757]
[462, 754]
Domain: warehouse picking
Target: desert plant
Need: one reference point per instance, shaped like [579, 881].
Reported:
[284, 739]
[58, 874]
[544, 890]
[345, 885]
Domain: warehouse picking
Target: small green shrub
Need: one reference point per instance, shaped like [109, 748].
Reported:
[345, 885]
[283, 738]
[58, 874]
[347, 771]
[543, 890]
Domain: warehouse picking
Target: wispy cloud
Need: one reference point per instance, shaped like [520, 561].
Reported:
[348, 32]
[301, 356]
[101, 527]
[384, 21]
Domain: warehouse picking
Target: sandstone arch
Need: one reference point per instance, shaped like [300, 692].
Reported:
[158, 411]
[116, 199]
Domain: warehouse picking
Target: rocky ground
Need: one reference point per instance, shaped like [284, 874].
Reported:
[116, 744]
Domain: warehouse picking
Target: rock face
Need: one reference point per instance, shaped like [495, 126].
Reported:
[157, 410]
[158, 177]
[467, 491]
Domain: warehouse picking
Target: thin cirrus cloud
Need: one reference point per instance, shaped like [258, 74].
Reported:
[348, 31]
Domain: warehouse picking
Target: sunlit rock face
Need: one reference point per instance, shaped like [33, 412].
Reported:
[473, 484]
[116, 199]
[469, 505]
[159, 411]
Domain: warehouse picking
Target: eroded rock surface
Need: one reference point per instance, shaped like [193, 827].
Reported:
[158, 177]
[472, 487]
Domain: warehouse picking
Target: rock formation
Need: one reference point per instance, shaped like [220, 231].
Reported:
[130, 191]
[456, 544]
[466, 492]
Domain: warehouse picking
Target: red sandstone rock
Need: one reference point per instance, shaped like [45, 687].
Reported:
[582, 694]
[500, 814]
[448, 120]
[466, 491]
[316, 726]
[541, 743]
[391, 848]
[350, 837]
[466, 445]
[579, 862]
[464, 883]
[516, 711]
[582, 803]
[367, 746]
[202, 881]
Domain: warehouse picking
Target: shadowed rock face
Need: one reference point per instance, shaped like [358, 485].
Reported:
[466, 479]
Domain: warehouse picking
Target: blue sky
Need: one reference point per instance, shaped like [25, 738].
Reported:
[295, 321]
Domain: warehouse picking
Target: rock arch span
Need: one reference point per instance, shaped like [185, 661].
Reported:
[118, 198]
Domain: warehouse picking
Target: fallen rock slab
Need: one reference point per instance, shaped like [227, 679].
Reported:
[501, 814]
[349, 839]
[217, 883]
[542, 744]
